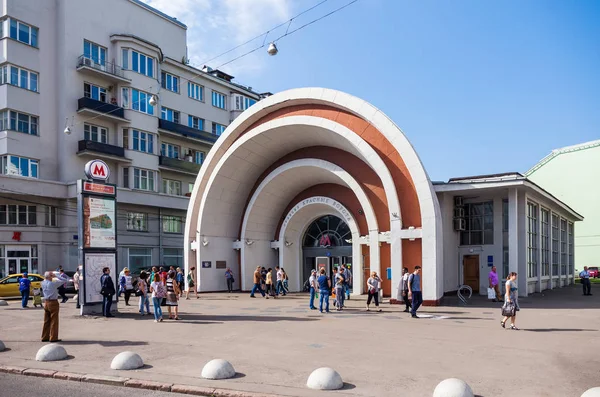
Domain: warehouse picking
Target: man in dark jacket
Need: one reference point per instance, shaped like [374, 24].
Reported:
[107, 290]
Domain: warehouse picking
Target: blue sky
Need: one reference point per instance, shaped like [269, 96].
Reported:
[477, 86]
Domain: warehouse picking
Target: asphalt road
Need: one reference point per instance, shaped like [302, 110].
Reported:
[27, 386]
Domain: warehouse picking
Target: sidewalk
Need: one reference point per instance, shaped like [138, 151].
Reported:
[275, 344]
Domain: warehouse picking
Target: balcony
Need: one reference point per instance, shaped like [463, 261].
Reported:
[102, 150]
[188, 132]
[101, 109]
[176, 165]
[108, 70]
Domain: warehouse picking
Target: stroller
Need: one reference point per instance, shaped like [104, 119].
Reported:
[37, 297]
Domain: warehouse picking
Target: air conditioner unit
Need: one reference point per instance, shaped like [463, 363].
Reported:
[459, 212]
[460, 224]
[458, 201]
[87, 61]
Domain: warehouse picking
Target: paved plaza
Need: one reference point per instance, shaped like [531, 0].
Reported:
[275, 344]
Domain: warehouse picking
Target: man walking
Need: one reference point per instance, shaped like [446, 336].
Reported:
[324, 287]
[584, 276]
[279, 281]
[107, 289]
[414, 291]
[403, 289]
[51, 306]
[24, 284]
[343, 273]
[312, 282]
[76, 278]
[62, 291]
[257, 281]
[494, 284]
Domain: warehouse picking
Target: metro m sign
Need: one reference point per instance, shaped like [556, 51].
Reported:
[97, 170]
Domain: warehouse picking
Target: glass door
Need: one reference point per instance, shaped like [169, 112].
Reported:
[11, 267]
[18, 259]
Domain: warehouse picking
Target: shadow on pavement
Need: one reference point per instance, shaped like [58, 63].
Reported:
[560, 330]
[348, 386]
[224, 318]
[105, 343]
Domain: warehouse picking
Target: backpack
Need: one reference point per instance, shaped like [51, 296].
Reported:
[189, 278]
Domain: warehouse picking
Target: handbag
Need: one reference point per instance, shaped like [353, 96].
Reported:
[509, 309]
[491, 293]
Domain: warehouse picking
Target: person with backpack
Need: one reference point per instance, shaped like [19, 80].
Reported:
[414, 291]
[180, 281]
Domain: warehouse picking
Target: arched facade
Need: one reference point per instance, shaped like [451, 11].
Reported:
[298, 145]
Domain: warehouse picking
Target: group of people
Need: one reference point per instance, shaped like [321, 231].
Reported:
[338, 286]
[263, 282]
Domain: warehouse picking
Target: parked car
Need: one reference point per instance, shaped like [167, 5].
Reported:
[9, 285]
[594, 273]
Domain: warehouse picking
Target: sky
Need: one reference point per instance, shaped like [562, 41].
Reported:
[478, 87]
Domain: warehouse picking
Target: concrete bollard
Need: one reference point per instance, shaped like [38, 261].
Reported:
[126, 361]
[218, 369]
[51, 352]
[2, 346]
[3, 303]
[325, 379]
[453, 387]
[593, 392]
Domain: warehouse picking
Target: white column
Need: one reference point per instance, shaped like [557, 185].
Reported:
[513, 231]
[375, 261]
[396, 255]
[357, 266]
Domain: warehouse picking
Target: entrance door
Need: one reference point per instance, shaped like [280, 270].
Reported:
[18, 259]
[322, 262]
[471, 271]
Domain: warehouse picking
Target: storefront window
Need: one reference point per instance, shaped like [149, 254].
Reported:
[139, 259]
[173, 257]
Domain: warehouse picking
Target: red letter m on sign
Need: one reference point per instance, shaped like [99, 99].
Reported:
[325, 241]
[98, 171]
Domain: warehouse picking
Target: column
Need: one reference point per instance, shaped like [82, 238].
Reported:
[513, 231]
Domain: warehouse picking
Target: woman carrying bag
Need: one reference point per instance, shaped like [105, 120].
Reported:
[511, 303]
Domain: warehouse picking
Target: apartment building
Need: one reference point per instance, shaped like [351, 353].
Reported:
[110, 80]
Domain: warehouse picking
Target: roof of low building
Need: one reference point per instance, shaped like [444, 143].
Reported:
[557, 152]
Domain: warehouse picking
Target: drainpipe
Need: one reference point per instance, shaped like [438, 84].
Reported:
[160, 248]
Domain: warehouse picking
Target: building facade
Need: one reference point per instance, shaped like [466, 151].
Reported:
[114, 76]
[570, 173]
[314, 178]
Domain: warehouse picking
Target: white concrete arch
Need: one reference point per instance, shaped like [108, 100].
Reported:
[274, 193]
[300, 217]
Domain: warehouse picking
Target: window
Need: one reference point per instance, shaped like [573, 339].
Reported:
[171, 187]
[170, 150]
[242, 102]
[218, 129]
[169, 114]
[199, 157]
[94, 52]
[137, 221]
[95, 133]
[125, 58]
[532, 240]
[140, 101]
[21, 166]
[94, 92]
[143, 141]
[23, 33]
[169, 82]
[173, 257]
[125, 138]
[218, 100]
[545, 215]
[139, 259]
[143, 179]
[125, 97]
[171, 224]
[16, 121]
[18, 215]
[555, 245]
[479, 220]
[142, 64]
[196, 91]
[19, 77]
[563, 247]
[126, 177]
[51, 216]
[571, 231]
[190, 187]
[196, 122]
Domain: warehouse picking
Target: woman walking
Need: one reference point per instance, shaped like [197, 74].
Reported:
[172, 295]
[339, 290]
[142, 286]
[126, 285]
[229, 278]
[180, 281]
[191, 279]
[373, 292]
[511, 301]
[269, 282]
[158, 293]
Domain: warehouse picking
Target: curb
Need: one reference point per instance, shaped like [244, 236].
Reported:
[128, 382]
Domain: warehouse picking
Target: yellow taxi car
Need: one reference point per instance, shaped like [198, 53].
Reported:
[9, 285]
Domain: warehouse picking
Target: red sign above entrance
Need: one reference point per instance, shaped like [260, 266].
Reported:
[325, 241]
[97, 169]
[92, 187]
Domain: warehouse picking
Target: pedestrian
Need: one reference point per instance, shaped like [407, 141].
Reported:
[172, 295]
[51, 307]
[334, 278]
[154, 271]
[24, 286]
[339, 290]
[279, 289]
[269, 282]
[163, 275]
[312, 282]
[107, 290]
[342, 272]
[62, 291]
[179, 277]
[324, 286]
[286, 288]
[158, 293]
[229, 278]
[191, 280]
[76, 278]
[414, 291]
[511, 302]
[403, 289]
[263, 275]
[142, 286]
[373, 290]
[584, 277]
[126, 284]
[257, 283]
[494, 283]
